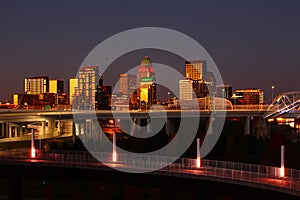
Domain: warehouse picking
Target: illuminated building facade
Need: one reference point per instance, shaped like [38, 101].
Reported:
[186, 89]
[73, 84]
[85, 93]
[36, 85]
[146, 81]
[195, 70]
[127, 84]
[249, 96]
[198, 81]
[56, 86]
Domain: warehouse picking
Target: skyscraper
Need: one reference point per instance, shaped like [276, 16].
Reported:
[186, 89]
[146, 81]
[73, 84]
[36, 85]
[85, 93]
[103, 96]
[202, 81]
[56, 86]
[195, 70]
[127, 84]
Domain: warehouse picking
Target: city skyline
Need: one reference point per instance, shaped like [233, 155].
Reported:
[253, 44]
[119, 99]
[193, 74]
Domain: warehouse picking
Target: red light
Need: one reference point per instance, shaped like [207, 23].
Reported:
[33, 152]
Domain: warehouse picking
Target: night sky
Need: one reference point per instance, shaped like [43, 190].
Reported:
[254, 44]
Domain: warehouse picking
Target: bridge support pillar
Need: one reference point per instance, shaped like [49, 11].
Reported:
[3, 129]
[21, 131]
[9, 130]
[81, 129]
[51, 127]
[149, 127]
[6, 129]
[43, 128]
[88, 129]
[247, 126]
[170, 126]
[77, 129]
[134, 125]
[58, 127]
[16, 131]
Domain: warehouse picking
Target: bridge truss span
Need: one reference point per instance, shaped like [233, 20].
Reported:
[285, 103]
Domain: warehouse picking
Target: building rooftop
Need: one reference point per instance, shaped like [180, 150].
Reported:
[146, 60]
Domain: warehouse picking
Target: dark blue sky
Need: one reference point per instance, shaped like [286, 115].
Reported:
[254, 44]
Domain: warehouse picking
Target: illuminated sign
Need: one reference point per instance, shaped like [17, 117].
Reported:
[146, 79]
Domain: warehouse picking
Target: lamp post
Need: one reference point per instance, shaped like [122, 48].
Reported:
[32, 151]
[282, 162]
[139, 102]
[198, 154]
[272, 93]
[169, 97]
[114, 154]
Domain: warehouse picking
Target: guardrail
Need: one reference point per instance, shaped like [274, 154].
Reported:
[251, 173]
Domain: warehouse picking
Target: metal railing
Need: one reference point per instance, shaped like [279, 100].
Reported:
[259, 174]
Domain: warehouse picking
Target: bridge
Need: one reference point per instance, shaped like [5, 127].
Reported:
[248, 175]
[285, 105]
[16, 123]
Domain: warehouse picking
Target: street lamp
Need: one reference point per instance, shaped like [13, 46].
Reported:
[272, 93]
[169, 97]
[139, 102]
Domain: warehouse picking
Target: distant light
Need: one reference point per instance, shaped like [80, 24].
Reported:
[198, 154]
[33, 152]
[114, 153]
[281, 173]
[198, 163]
[114, 156]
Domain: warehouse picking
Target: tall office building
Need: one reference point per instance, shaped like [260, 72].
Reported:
[186, 90]
[56, 86]
[200, 88]
[85, 93]
[73, 84]
[195, 70]
[127, 84]
[36, 85]
[146, 81]
[103, 96]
